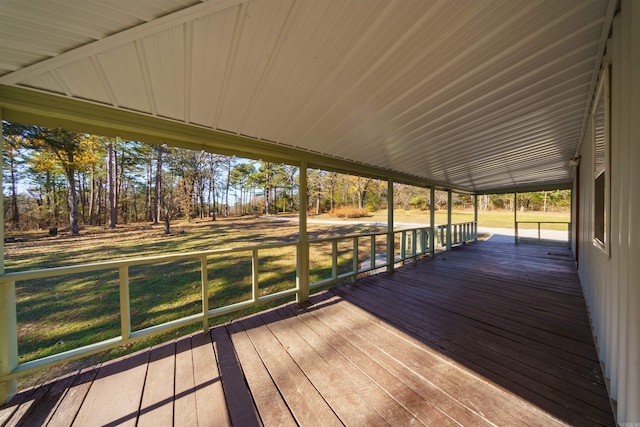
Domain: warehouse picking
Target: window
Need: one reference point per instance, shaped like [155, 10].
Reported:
[601, 172]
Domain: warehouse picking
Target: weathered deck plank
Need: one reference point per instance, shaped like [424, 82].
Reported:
[156, 408]
[365, 385]
[184, 404]
[210, 400]
[114, 396]
[305, 402]
[342, 396]
[67, 409]
[242, 410]
[272, 408]
[487, 334]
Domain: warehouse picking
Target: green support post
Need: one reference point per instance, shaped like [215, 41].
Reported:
[449, 199]
[474, 232]
[8, 315]
[432, 222]
[390, 237]
[515, 216]
[302, 268]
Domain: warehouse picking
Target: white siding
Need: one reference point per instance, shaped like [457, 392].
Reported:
[612, 284]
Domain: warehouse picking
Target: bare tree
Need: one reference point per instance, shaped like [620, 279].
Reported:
[111, 179]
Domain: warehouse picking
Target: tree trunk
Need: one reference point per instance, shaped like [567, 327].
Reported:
[363, 194]
[14, 196]
[113, 213]
[226, 197]
[134, 207]
[157, 208]
[92, 197]
[167, 229]
[99, 203]
[148, 211]
[73, 202]
[83, 198]
[212, 191]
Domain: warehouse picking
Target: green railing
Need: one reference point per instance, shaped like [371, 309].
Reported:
[350, 256]
[555, 226]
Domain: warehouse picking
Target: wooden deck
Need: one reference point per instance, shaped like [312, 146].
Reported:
[487, 334]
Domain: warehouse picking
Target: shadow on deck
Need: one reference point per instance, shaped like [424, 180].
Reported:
[487, 334]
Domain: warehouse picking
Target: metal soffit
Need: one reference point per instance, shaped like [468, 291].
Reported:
[478, 95]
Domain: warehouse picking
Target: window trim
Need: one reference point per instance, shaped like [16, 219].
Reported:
[602, 100]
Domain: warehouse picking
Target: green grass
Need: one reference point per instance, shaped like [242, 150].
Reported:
[491, 219]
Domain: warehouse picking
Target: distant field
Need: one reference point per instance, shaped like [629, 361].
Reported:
[492, 219]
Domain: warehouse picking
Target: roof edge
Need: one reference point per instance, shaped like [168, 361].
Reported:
[32, 106]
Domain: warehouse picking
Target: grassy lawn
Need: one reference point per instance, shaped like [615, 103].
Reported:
[491, 219]
[71, 311]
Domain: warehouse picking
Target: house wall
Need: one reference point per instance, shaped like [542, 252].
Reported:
[611, 282]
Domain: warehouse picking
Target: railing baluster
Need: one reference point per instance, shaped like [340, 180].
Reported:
[8, 339]
[538, 231]
[355, 258]
[413, 244]
[204, 268]
[125, 306]
[539, 227]
[254, 275]
[334, 259]
[403, 245]
[373, 251]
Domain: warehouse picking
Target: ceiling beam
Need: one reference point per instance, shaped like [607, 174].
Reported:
[528, 188]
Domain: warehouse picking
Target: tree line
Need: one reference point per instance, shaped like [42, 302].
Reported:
[59, 178]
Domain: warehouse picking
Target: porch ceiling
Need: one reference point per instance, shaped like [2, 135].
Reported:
[484, 96]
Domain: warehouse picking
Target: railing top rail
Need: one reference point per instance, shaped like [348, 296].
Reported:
[106, 265]
[346, 236]
[543, 222]
[375, 233]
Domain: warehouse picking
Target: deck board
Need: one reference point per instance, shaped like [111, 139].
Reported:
[486, 334]
[302, 398]
[114, 396]
[210, 399]
[156, 408]
[73, 398]
[185, 408]
[271, 406]
[242, 410]
[328, 348]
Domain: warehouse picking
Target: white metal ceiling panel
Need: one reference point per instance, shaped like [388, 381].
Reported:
[479, 94]
[165, 55]
[82, 80]
[128, 75]
[34, 30]
[45, 82]
[256, 48]
[213, 38]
